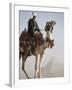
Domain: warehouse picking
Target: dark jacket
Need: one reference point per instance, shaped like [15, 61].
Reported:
[32, 27]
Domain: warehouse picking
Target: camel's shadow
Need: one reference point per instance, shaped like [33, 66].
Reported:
[46, 70]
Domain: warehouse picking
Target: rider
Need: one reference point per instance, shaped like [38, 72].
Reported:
[32, 25]
[32, 28]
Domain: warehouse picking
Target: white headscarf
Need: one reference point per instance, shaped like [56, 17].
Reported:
[33, 14]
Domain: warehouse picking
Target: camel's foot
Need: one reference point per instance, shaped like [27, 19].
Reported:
[28, 77]
[25, 73]
[38, 75]
[34, 76]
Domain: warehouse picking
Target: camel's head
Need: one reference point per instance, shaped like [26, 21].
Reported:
[49, 25]
[49, 32]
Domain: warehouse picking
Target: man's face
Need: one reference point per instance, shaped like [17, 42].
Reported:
[34, 17]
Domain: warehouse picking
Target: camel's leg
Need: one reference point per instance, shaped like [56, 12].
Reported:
[19, 56]
[48, 44]
[23, 65]
[41, 55]
[36, 66]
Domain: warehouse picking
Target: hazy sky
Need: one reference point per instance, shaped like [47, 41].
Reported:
[42, 17]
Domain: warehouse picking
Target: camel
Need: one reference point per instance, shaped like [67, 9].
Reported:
[40, 46]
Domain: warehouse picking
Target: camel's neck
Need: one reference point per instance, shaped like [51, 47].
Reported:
[45, 44]
[45, 35]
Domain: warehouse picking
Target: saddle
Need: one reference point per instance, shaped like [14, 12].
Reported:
[26, 41]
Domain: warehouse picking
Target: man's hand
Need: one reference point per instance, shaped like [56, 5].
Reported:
[34, 28]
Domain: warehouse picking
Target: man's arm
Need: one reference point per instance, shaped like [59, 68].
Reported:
[30, 27]
[30, 24]
[37, 27]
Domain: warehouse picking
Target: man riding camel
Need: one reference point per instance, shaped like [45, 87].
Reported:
[33, 28]
[32, 25]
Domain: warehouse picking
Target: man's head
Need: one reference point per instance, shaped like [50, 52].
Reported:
[34, 15]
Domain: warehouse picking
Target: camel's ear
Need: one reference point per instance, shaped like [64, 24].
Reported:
[55, 22]
[47, 23]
